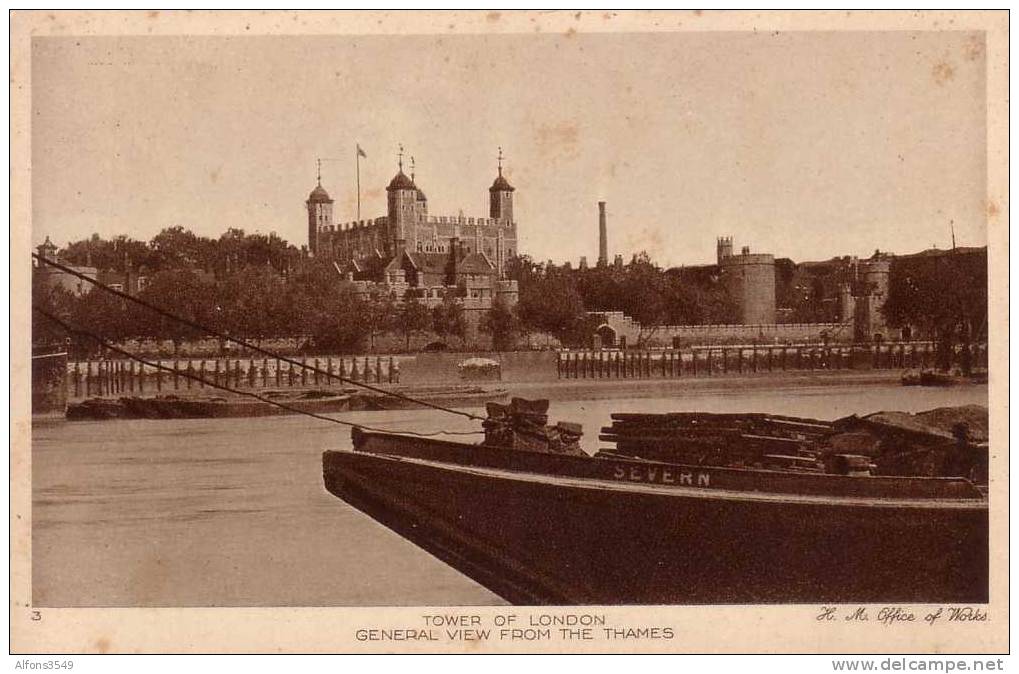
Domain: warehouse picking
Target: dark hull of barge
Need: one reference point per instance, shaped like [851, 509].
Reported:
[540, 529]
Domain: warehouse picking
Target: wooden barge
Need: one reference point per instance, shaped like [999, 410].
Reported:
[551, 528]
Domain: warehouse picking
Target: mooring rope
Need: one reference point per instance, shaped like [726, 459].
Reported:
[187, 375]
[240, 342]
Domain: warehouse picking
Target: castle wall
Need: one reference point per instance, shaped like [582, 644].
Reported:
[55, 278]
[694, 335]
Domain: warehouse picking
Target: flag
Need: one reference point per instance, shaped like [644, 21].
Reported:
[360, 152]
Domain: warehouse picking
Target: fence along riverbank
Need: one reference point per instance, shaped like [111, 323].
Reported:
[106, 377]
[716, 361]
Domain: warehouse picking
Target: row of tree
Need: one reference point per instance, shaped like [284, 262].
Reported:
[943, 297]
[254, 303]
[259, 286]
[558, 299]
[180, 248]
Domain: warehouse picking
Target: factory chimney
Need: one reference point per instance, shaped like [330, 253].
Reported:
[603, 236]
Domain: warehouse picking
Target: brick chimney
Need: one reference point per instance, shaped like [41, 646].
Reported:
[603, 236]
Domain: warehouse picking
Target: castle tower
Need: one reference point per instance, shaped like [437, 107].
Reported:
[603, 236]
[320, 213]
[847, 303]
[872, 279]
[47, 249]
[422, 199]
[723, 248]
[501, 197]
[750, 279]
[402, 200]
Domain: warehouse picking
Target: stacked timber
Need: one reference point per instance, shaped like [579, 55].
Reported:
[943, 442]
[737, 440]
[523, 424]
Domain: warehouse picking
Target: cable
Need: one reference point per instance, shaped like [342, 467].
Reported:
[159, 366]
[246, 345]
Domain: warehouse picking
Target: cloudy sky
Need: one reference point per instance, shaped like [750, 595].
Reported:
[805, 144]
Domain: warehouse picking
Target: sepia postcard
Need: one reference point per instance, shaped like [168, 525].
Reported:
[509, 332]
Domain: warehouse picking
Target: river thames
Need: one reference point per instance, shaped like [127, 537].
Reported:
[232, 512]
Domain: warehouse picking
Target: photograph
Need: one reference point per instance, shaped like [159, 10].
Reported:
[568, 327]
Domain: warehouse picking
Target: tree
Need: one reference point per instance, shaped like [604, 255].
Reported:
[336, 328]
[251, 304]
[411, 317]
[177, 248]
[448, 317]
[377, 314]
[645, 293]
[105, 315]
[115, 254]
[54, 300]
[183, 293]
[502, 324]
[945, 295]
[551, 303]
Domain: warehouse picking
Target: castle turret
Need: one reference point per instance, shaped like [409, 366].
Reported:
[872, 282]
[723, 248]
[47, 249]
[402, 201]
[847, 303]
[320, 214]
[501, 197]
[422, 199]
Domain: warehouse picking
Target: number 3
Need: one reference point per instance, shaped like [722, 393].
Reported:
[36, 615]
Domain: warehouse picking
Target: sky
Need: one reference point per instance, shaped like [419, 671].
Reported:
[807, 145]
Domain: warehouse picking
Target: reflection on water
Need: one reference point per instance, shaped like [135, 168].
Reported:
[232, 512]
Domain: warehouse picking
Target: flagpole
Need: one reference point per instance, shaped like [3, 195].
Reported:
[357, 159]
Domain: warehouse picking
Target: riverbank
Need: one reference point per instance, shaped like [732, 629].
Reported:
[200, 403]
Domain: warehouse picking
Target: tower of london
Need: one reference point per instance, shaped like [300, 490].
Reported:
[407, 226]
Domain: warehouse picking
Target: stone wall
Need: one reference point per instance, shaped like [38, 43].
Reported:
[696, 335]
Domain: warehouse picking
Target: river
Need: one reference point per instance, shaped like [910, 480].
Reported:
[232, 512]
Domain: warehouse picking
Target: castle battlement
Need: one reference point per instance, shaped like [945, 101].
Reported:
[749, 258]
[464, 220]
[354, 224]
[422, 220]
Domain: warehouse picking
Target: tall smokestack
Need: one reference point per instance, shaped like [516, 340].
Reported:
[603, 236]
